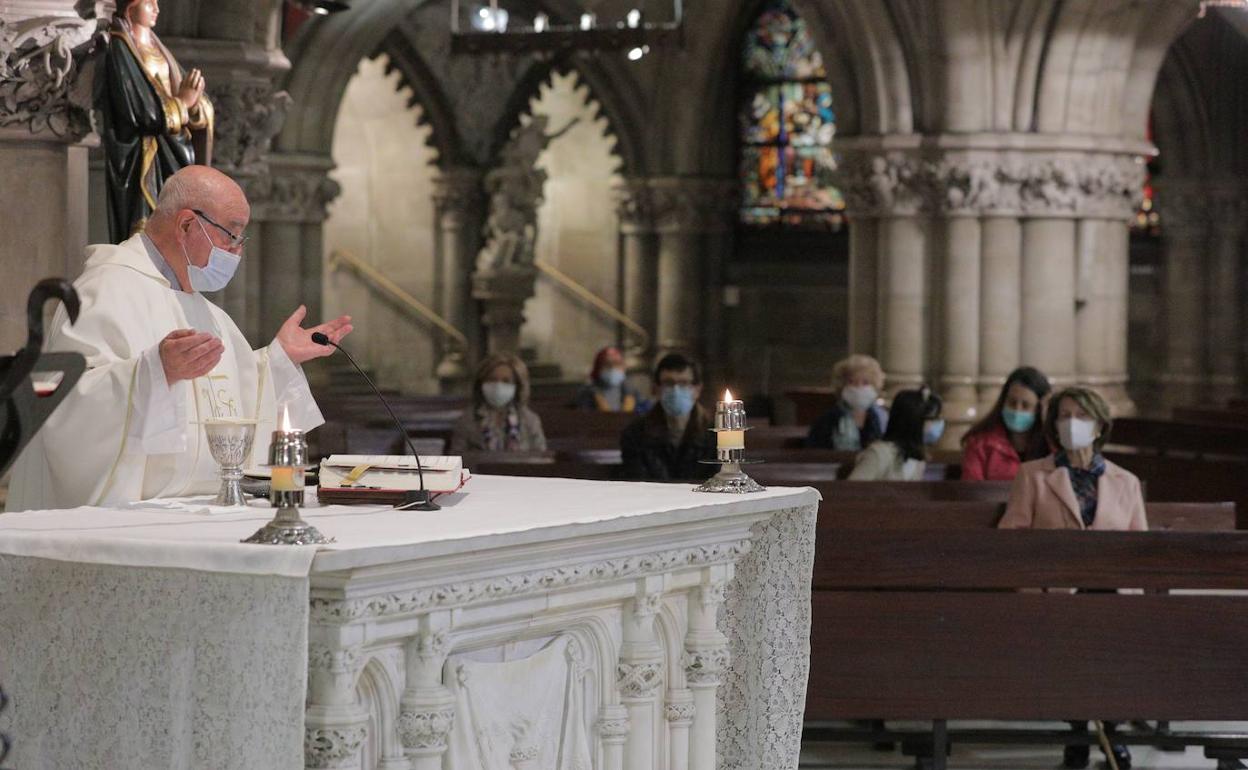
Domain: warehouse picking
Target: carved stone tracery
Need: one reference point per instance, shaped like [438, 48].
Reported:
[326, 747]
[639, 680]
[42, 88]
[704, 665]
[426, 729]
[249, 115]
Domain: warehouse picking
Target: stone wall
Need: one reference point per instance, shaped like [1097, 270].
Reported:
[385, 216]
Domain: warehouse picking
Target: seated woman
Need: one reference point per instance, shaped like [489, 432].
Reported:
[1077, 488]
[901, 455]
[499, 419]
[607, 390]
[1012, 433]
[857, 419]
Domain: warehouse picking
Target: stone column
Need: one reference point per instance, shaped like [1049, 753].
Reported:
[459, 213]
[863, 284]
[334, 730]
[640, 258]
[502, 293]
[706, 656]
[680, 712]
[288, 209]
[1000, 299]
[1185, 242]
[1048, 309]
[639, 675]
[427, 707]
[1101, 289]
[613, 729]
[44, 127]
[1229, 207]
[689, 212]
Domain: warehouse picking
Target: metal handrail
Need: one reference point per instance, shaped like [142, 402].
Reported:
[341, 257]
[600, 304]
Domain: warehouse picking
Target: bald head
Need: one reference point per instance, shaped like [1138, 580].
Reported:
[201, 187]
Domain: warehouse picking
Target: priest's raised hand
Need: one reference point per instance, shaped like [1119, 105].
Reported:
[297, 341]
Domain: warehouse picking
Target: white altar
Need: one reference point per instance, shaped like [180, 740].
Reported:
[532, 624]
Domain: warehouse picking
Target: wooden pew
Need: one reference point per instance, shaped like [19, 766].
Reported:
[1179, 479]
[843, 514]
[930, 625]
[1169, 437]
[1219, 417]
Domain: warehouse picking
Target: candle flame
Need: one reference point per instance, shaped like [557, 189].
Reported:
[727, 394]
[284, 424]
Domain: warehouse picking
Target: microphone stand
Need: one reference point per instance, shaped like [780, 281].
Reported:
[414, 500]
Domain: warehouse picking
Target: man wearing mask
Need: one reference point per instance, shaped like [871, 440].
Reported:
[667, 442]
[161, 360]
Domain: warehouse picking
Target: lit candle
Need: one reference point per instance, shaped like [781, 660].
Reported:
[541, 22]
[588, 21]
[284, 480]
[730, 415]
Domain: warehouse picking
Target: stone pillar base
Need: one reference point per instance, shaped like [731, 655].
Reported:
[502, 293]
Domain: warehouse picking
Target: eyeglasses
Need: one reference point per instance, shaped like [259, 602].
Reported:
[236, 241]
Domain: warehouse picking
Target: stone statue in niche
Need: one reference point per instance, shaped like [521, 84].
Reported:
[515, 191]
[154, 118]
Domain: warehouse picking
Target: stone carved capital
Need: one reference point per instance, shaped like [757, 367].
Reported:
[326, 747]
[704, 665]
[691, 205]
[712, 594]
[249, 114]
[680, 712]
[613, 725]
[334, 660]
[43, 88]
[634, 205]
[294, 190]
[638, 680]
[426, 729]
[459, 190]
[647, 605]
[1071, 184]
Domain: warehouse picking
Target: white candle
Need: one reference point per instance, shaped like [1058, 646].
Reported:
[729, 439]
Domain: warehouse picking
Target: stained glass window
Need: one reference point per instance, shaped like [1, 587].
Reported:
[787, 124]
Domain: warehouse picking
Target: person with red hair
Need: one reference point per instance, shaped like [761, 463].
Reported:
[608, 389]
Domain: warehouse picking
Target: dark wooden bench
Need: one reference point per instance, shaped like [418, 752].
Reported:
[930, 624]
[868, 513]
[1172, 437]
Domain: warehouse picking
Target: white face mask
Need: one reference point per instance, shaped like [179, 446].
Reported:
[217, 273]
[859, 397]
[498, 394]
[1075, 433]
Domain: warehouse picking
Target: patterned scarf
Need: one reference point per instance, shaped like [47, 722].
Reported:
[1084, 482]
[494, 439]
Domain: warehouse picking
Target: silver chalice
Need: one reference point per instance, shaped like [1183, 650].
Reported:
[230, 443]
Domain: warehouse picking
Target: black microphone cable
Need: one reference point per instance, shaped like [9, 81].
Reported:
[416, 500]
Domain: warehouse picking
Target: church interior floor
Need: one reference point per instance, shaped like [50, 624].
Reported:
[847, 756]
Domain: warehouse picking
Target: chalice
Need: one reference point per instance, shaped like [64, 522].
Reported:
[230, 443]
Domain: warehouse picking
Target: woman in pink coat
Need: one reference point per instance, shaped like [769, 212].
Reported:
[1077, 488]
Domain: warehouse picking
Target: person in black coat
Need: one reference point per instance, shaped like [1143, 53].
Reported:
[666, 443]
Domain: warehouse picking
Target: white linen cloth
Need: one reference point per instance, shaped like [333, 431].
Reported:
[157, 638]
[124, 434]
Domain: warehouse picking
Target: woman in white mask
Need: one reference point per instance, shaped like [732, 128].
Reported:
[499, 418]
[608, 389]
[1077, 488]
[857, 419]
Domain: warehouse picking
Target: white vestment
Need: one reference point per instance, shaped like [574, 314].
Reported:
[124, 434]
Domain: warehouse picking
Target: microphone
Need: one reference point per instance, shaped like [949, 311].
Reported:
[416, 500]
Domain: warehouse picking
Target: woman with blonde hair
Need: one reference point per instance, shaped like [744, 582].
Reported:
[499, 418]
[857, 419]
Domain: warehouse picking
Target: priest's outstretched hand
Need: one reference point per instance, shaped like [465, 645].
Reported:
[297, 341]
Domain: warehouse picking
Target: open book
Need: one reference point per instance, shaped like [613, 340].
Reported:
[442, 473]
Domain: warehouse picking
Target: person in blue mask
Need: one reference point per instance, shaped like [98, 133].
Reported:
[914, 423]
[667, 442]
[1012, 433]
[608, 389]
[857, 418]
[499, 418]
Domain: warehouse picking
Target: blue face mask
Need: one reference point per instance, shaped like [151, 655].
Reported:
[677, 400]
[612, 378]
[1016, 421]
[933, 430]
[217, 273]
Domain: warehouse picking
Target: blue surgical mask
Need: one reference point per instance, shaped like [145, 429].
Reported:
[1016, 421]
[933, 430]
[217, 273]
[677, 400]
[612, 378]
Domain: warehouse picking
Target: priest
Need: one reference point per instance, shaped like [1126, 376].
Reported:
[162, 359]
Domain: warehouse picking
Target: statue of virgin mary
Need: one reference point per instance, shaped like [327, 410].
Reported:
[155, 119]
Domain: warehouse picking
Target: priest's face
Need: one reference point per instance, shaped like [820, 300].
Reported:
[205, 229]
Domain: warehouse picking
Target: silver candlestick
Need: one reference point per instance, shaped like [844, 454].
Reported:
[729, 430]
[230, 442]
[288, 459]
